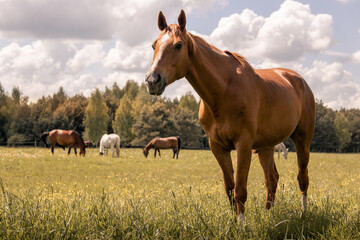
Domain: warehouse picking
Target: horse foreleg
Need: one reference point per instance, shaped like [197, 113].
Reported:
[75, 151]
[224, 159]
[69, 150]
[244, 151]
[267, 162]
[113, 151]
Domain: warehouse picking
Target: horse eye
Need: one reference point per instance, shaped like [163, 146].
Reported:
[178, 46]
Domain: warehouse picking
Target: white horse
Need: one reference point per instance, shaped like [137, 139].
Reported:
[110, 141]
[281, 148]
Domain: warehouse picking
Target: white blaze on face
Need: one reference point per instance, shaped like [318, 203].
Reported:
[163, 41]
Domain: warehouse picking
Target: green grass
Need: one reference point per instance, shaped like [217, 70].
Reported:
[131, 197]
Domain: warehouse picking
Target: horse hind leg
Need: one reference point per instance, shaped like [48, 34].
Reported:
[302, 146]
[267, 162]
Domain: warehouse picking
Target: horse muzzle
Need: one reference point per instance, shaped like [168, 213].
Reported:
[155, 83]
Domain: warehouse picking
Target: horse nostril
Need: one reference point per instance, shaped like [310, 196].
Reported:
[157, 78]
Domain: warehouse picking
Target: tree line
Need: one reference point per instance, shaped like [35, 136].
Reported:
[137, 117]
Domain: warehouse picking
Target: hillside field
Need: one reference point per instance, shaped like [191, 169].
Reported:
[45, 196]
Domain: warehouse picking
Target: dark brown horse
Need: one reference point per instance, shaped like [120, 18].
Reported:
[62, 138]
[242, 108]
[163, 143]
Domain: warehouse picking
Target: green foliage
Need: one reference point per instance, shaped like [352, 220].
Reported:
[154, 120]
[188, 127]
[342, 127]
[44, 196]
[16, 139]
[353, 116]
[325, 138]
[124, 121]
[96, 117]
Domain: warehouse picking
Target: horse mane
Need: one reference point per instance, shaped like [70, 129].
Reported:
[240, 59]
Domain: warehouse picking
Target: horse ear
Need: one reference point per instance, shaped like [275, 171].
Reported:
[182, 20]
[162, 21]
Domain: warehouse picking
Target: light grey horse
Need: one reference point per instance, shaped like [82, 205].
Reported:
[281, 148]
[110, 141]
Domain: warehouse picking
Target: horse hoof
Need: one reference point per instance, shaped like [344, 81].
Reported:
[241, 217]
[269, 204]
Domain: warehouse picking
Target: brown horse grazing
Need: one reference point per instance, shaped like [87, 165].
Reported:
[70, 138]
[241, 108]
[163, 143]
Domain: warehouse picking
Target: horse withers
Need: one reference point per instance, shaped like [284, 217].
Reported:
[63, 138]
[163, 143]
[239, 107]
[110, 141]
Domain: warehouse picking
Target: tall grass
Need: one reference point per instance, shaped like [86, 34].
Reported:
[131, 197]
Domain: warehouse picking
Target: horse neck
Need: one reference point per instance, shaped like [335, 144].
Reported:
[149, 145]
[80, 142]
[282, 147]
[211, 70]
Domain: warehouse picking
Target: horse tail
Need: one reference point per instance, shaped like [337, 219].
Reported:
[43, 138]
[118, 146]
[179, 144]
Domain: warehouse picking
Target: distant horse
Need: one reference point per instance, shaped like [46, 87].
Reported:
[164, 143]
[281, 148]
[241, 108]
[110, 141]
[88, 144]
[62, 138]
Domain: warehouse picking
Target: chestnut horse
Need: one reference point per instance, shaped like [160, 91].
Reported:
[163, 143]
[241, 108]
[62, 138]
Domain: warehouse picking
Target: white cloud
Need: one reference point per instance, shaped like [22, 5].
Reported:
[27, 65]
[345, 1]
[332, 84]
[356, 57]
[89, 54]
[243, 27]
[284, 36]
[90, 19]
[126, 58]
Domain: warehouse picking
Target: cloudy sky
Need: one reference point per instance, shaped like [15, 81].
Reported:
[84, 44]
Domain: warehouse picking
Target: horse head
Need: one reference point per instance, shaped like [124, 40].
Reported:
[170, 61]
[285, 153]
[82, 151]
[145, 152]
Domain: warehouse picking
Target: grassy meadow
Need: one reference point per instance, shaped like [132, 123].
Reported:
[44, 196]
